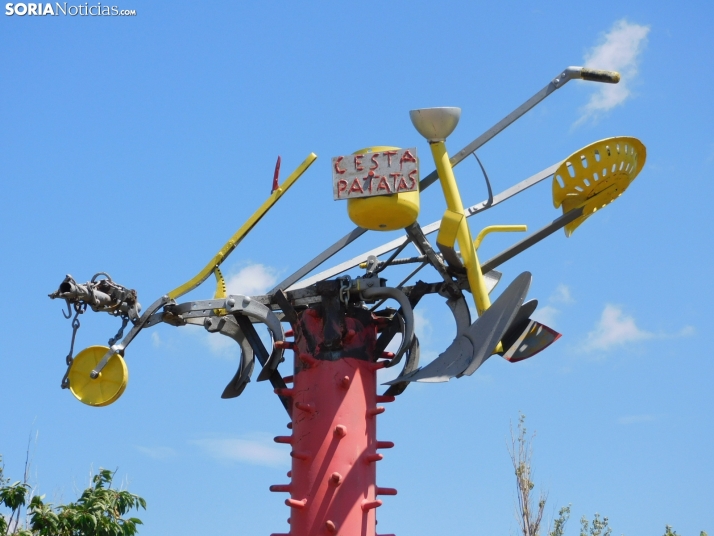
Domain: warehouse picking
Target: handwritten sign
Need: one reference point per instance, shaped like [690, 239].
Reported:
[370, 174]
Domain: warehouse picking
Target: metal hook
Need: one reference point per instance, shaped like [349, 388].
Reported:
[94, 277]
[69, 310]
[488, 183]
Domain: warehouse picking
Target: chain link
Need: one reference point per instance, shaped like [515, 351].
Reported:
[75, 326]
[120, 333]
[345, 284]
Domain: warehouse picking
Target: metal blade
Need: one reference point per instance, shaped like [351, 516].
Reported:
[468, 351]
[534, 337]
[227, 325]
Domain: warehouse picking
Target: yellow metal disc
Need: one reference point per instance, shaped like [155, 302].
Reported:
[596, 175]
[105, 389]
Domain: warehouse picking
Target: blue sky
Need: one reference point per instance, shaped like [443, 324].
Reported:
[138, 145]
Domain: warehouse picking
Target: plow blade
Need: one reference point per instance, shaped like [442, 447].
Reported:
[470, 349]
[226, 325]
[526, 339]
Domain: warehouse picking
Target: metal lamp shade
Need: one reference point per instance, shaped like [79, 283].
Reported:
[435, 124]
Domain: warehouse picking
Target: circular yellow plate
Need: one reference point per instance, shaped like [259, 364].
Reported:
[110, 384]
[596, 175]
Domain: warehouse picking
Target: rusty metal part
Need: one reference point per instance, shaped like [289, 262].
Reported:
[101, 295]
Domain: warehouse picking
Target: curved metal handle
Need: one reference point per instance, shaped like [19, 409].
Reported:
[586, 73]
[407, 313]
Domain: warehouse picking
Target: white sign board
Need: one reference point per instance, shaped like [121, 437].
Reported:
[379, 173]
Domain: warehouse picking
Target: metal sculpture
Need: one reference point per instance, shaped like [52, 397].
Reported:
[338, 325]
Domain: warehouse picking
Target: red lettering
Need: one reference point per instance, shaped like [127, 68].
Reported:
[383, 185]
[402, 182]
[406, 157]
[356, 187]
[394, 179]
[338, 169]
[341, 186]
[390, 154]
[374, 161]
[358, 162]
[413, 179]
[369, 178]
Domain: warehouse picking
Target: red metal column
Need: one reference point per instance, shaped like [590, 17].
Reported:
[334, 447]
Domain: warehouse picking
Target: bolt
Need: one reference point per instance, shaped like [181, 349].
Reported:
[340, 430]
[230, 302]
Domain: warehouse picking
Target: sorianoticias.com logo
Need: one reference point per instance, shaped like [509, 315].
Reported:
[83, 10]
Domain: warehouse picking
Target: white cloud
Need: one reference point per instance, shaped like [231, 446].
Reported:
[619, 51]
[546, 315]
[156, 339]
[634, 419]
[252, 280]
[221, 346]
[256, 449]
[422, 325]
[562, 295]
[615, 328]
[422, 329]
[686, 331]
[157, 453]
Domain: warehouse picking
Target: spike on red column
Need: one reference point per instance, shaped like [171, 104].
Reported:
[294, 503]
[370, 505]
[375, 411]
[303, 406]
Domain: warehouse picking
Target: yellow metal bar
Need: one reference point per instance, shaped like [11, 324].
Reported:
[242, 232]
[463, 237]
[497, 229]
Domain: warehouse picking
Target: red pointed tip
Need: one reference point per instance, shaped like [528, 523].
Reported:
[276, 175]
